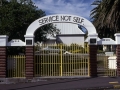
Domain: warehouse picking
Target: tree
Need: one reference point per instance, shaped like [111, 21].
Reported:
[106, 17]
[17, 15]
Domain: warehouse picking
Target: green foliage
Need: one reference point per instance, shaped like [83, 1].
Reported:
[75, 48]
[100, 51]
[106, 17]
[17, 15]
[15, 50]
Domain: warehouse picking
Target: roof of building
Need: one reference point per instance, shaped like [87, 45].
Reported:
[67, 28]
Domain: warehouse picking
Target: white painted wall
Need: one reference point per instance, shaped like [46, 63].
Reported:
[71, 39]
[106, 41]
[112, 62]
[16, 42]
[3, 40]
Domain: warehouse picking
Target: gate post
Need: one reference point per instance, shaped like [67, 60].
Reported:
[117, 38]
[92, 41]
[3, 56]
[29, 53]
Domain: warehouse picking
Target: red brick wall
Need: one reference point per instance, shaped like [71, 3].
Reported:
[29, 64]
[2, 62]
[118, 59]
[93, 60]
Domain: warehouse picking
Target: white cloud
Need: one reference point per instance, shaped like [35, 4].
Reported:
[76, 7]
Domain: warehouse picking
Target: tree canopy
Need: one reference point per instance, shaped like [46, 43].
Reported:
[106, 17]
[17, 15]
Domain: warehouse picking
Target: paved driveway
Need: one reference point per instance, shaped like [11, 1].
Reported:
[66, 84]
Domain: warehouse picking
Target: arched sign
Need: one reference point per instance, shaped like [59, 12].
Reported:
[59, 18]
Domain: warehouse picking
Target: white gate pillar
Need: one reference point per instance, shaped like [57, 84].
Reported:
[92, 40]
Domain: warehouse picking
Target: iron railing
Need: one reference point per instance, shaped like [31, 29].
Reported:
[16, 66]
[62, 60]
[104, 67]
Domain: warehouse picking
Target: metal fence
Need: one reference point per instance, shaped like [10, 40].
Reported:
[62, 60]
[16, 66]
[105, 67]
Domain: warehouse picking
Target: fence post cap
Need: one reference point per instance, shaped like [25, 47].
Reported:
[117, 38]
[4, 36]
[29, 36]
[3, 40]
[92, 39]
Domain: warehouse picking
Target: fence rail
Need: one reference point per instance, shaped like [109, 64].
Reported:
[16, 66]
[103, 67]
[67, 65]
[60, 60]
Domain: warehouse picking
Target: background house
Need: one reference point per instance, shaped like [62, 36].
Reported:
[70, 38]
[69, 33]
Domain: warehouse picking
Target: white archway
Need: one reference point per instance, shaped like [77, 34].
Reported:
[66, 18]
[57, 18]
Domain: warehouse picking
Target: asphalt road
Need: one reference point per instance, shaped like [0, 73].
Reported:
[64, 84]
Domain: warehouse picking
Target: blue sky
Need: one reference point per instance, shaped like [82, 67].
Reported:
[75, 7]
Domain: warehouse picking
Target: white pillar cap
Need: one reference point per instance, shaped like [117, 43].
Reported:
[3, 40]
[117, 38]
